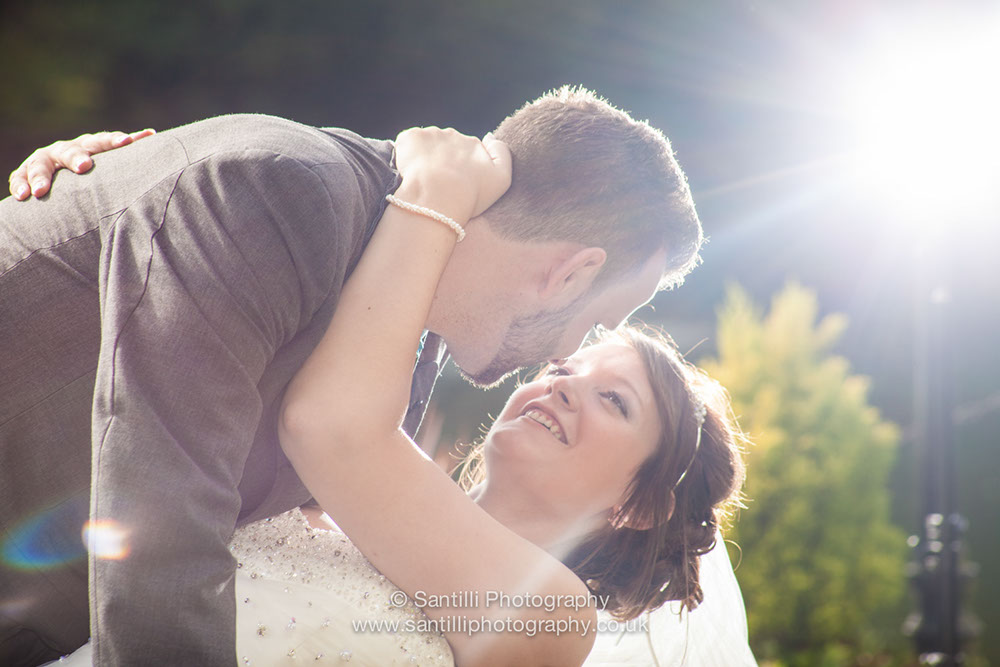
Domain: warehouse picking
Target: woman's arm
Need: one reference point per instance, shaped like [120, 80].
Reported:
[341, 428]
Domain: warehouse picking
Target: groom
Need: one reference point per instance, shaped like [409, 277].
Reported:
[152, 312]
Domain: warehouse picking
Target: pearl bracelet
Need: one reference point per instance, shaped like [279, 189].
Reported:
[427, 212]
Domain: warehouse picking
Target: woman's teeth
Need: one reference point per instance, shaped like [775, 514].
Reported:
[547, 422]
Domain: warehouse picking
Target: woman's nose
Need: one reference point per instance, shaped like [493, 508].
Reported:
[565, 391]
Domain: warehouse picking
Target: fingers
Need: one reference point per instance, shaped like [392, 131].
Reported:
[76, 154]
[18, 183]
[101, 142]
[34, 175]
[462, 174]
[142, 134]
[502, 164]
[40, 168]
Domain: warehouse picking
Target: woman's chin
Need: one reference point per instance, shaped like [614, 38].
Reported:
[503, 450]
[520, 438]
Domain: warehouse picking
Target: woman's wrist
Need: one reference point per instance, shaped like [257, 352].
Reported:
[438, 197]
[428, 213]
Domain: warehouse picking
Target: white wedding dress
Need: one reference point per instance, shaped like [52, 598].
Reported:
[307, 594]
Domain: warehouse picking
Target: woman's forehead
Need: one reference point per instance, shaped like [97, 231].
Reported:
[610, 352]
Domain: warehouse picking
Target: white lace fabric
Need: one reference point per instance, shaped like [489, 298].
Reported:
[306, 593]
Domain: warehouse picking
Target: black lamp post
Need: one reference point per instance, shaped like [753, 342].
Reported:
[935, 567]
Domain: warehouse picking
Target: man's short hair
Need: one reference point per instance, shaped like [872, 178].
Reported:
[586, 171]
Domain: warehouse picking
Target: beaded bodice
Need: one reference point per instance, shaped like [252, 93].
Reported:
[309, 594]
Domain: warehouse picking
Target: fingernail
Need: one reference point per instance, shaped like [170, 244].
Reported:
[80, 163]
[22, 192]
[118, 141]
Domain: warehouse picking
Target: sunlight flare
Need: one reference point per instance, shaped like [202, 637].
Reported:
[926, 112]
[106, 539]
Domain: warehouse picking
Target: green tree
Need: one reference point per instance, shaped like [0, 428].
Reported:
[822, 566]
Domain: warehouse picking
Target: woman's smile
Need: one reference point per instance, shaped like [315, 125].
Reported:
[547, 420]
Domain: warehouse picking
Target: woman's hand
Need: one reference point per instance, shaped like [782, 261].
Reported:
[34, 175]
[458, 175]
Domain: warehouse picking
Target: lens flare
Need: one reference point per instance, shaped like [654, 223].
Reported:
[106, 539]
[47, 540]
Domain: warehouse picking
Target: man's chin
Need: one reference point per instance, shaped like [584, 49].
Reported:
[488, 378]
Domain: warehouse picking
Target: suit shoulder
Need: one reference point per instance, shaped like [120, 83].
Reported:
[309, 145]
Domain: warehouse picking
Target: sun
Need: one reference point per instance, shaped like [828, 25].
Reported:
[925, 110]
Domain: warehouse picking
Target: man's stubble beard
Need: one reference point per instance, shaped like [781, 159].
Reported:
[529, 340]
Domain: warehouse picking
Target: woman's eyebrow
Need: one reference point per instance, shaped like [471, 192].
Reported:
[623, 379]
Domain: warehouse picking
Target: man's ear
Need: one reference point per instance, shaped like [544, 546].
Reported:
[572, 276]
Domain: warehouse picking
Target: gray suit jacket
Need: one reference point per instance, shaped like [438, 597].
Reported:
[151, 314]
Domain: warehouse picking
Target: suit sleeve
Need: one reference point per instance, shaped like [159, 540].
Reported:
[201, 280]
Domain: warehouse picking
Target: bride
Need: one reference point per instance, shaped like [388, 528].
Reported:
[601, 484]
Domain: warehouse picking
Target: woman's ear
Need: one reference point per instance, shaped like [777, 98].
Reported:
[570, 277]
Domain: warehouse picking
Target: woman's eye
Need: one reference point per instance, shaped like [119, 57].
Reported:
[557, 370]
[617, 401]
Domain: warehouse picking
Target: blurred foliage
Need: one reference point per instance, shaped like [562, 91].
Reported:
[822, 567]
[376, 67]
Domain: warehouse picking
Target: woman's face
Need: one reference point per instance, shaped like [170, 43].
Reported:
[573, 439]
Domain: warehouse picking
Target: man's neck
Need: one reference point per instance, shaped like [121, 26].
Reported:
[490, 276]
[477, 273]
